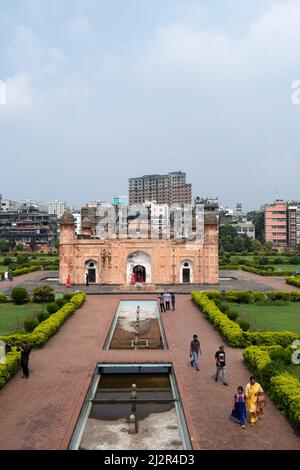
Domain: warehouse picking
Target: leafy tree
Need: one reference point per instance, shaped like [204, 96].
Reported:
[20, 247]
[33, 244]
[7, 261]
[4, 246]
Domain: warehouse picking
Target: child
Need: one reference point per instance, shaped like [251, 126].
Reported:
[261, 403]
[239, 410]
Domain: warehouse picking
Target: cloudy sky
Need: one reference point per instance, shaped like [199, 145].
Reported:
[101, 90]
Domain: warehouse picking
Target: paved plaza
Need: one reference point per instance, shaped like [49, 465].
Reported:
[41, 413]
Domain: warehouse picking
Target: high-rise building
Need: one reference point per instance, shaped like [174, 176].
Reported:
[163, 189]
[276, 223]
[293, 225]
[57, 208]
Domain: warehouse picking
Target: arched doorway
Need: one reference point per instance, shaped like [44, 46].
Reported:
[186, 272]
[140, 272]
[91, 270]
[139, 261]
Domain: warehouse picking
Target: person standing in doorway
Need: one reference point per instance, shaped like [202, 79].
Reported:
[195, 350]
[173, 300]
[87, 279]
[25, 351]
[162, 302]
[221, 365]
[167, 299]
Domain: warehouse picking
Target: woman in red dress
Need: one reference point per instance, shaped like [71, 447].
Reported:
[139, 277]
[133, 278]
[68, 284]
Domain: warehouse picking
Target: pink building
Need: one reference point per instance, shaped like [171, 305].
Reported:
[276, 223]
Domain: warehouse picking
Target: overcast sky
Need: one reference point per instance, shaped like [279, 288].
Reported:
[102, 90]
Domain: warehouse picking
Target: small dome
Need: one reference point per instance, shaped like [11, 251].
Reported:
[67, 219]
[86, 223]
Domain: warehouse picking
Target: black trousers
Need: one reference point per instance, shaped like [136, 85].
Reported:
[167, 305]
[173, 305]
[162, 308]
[24, 365]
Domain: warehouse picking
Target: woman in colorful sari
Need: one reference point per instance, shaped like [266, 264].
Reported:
[239, 410]
[253, 390]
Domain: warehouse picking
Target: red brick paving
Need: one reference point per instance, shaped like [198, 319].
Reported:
[41, 413]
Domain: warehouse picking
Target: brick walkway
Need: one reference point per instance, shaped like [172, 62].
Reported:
[41, 413]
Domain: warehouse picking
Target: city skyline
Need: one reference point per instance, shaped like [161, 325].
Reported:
[99, 92]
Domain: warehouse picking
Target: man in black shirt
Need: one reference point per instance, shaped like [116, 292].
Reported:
[25, 351]
[221, 365]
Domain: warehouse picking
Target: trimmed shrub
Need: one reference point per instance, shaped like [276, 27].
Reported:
[269, 338]
[11, 366]
[20, 271]
[42, 316]
[68, 295]
[43, 294]
[230, 330]
[30, 324]
[232, 314]
[266, 272]
[292, 260]
[52, 308]
[284, 389]
[61, 302]
[283, 355]
[245, 325]
[241, 297]
[293, 281]
[7, 261]
[19, 295]
[47, 328]
[3, 298]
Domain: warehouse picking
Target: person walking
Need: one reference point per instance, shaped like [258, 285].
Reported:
[87, 279]
[68, 283]
[168, 299]
[173, 300]
[162, 302]
[25, 351]
[254, 392]
[195, 350]
[221, 365]
[239, 407]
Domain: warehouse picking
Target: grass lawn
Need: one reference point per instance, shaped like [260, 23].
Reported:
[270, 318]
[12, 316]
[287, 267]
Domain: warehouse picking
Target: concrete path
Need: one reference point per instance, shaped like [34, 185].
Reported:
[41, 413]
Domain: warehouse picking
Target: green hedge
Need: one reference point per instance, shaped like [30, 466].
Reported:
[10, 367]
[232, 331]
[20, 271]
[229, 267]
[293, 281]
[47, 328]
[3, 298]
[38, 337]
[282, 387]
[264, 272]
